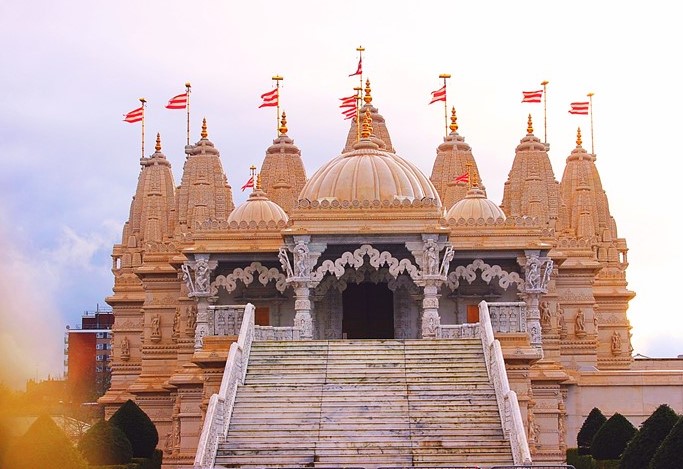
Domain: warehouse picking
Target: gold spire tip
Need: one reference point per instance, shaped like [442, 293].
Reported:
[283, 124]
[367, 98]
[445, 75]
[157, 147]
[143, 100]
[277, 78]
[252, 168]
[204, 132]
[454, 121]
[366, 129]
[360, 48]
[529, 126]
[544, 82]
[187, 85]
[578, 137]
[258, 182]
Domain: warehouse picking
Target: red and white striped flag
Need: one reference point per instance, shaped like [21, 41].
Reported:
[579, 108]
[464, 177]
[349, 113]
[532, 96]
[178, 102]
[439, 95]
[270, 99]
[359, 70]
[135, 115]
[249, 183]
[349, 101]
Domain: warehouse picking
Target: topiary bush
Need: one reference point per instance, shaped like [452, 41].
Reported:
[44, 446]
[579, 461]
[590, 427]
[105, 443]
[612, 437]
[669, 455]
[643, 445]
[138, 427]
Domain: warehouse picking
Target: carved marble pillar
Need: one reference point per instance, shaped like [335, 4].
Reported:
[431, 321]
[537, 271]
[302, 306]
[198, 284]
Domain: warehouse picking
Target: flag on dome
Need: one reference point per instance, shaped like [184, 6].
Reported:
[178, 102]
[439, 95]
[270, 99]
[359, 70]
[350, 113]
[579, 108]
[135, 115]
[249, 183]
[532, 96]
[349, 101]
[464, 178]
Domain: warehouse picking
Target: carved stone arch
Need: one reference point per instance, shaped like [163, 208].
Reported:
[469, 273]
[362, 274]
[246, 276]
[356, 259]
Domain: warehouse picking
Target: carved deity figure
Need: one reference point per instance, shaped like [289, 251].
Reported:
[533, 273]
[284, 262]
[446, 261]
[431, 257]
[176, 322]
[156, 326]
[560, 323]
[616, 343]
[187, 278]
[301, 255]
[545, 314]
[580, 322]
[548, 269]
[191, 318]
[125, 348]
[201, 279]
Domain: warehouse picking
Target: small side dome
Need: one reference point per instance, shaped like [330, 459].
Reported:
[258, 212]
[475, 206]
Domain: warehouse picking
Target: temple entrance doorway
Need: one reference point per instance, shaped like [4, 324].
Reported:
[368, 311]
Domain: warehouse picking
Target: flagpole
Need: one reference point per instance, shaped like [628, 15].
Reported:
[142, 102]
[277, 79]
[360, 50]
[590, 108]
[545, 115]
[187, 90]
[359, 97]
[445, 76]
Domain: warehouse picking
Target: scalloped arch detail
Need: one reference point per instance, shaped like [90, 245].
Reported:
[246, 276]
[469, 273]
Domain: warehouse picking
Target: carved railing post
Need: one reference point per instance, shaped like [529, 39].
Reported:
[537, 271]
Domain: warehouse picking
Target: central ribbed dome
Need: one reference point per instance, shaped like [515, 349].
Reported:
[369, 174]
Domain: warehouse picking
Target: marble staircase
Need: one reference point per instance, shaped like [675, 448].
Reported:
[365, 403]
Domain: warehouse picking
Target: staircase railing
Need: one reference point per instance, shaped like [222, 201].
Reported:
[220, 408]
[508, 406]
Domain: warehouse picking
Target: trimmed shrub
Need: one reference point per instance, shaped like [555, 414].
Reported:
[44, 446]
[669, 455]
[138, 427]
[105, 443]
[151, 463]
[579, 461]
[643, 445]
[590, 427]
[611, 439]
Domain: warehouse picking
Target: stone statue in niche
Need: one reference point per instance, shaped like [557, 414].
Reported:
[125, 348]
[284, 262]
[533, 273]
[431, 257]
[616, 343]
[580, 323]
[201, 279]
[187, 278]
[176, 322]
[301, 255]
[191, 319]
[545, 314]
[446, 261]
[561, 324]
[156, 327]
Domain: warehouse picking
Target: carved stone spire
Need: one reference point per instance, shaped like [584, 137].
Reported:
[531, 188]
[453, 158]
[282, 173]
[380, 130]
[204, 193]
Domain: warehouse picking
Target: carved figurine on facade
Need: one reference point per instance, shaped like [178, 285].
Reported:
[201, 278]
[156, 328]
[561, 323]
[446, 261]
[580, 324]
[616, 343]
[125, 349]
[187, 278]
[545, 314]
[431, 257]
[191, 320]
[176, 323]
[301, 260]
[533, 274]
[284, 262]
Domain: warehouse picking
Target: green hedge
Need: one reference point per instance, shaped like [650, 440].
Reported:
[579, 461]
[590, 427]
[105, 443]
[611, 439]
[138, 427]
[643, 445]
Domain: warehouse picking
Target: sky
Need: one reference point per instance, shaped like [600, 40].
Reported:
[70, 70]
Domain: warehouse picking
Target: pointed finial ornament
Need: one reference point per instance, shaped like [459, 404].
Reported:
[578, 137]
[157, 147]
[368, 97]
[367, 128]
[283, 124]
[454, 121]
[204, 132]
[529, 126]
[258, 182]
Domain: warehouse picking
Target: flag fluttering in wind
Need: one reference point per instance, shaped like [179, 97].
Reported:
[349, 106]
[359, 70]
[249, 183]
[178, 102]
[464, 178]
[532, 96]
[270, 99]
[135, 115]
[579, 108]
[439, 95]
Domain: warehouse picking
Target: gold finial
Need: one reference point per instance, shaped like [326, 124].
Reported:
[258, 182]
[445, 75]
[143, 101]
[360, 48]
[367, 128]
[157, 147]
[277, 78]
[578, 137]
[529, 126]
[454, 121]
[204, 132]
[367, 98]
[544, 82]
[187, 84]
[283, 124]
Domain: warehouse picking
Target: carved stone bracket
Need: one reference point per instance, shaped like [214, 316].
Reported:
[197, 275]
[247, 276]
[469, 273]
